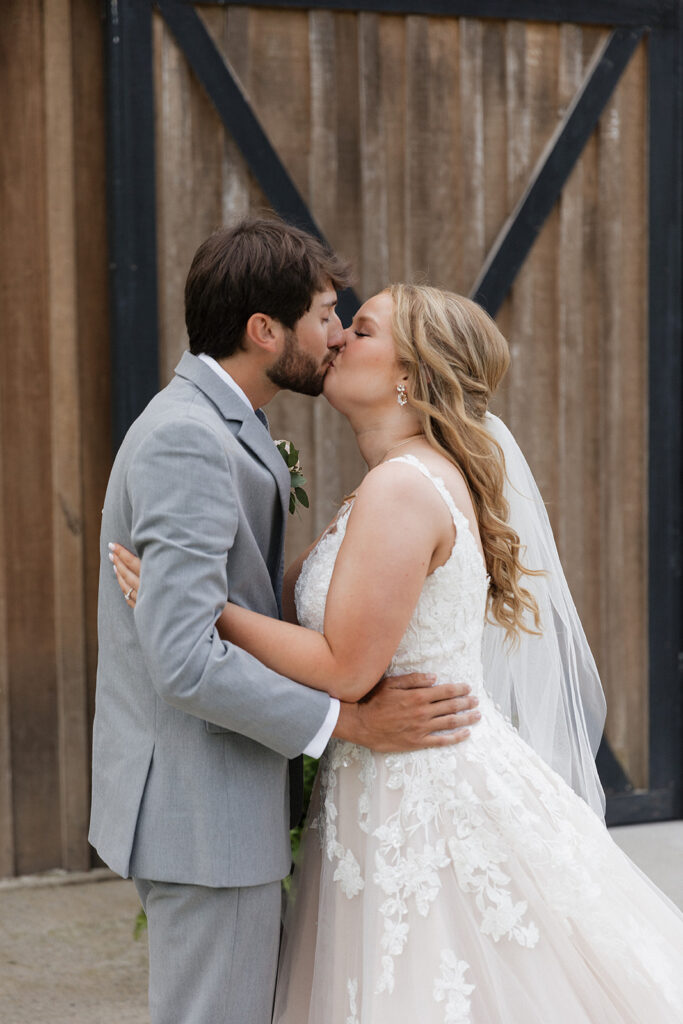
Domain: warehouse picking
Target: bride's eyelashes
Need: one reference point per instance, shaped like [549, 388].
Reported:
[361, 334]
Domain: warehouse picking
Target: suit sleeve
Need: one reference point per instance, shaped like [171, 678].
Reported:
[184, 523]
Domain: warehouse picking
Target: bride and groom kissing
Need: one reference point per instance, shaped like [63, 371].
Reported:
[442, 880]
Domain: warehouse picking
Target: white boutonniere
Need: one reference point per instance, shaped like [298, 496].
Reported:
[296, 477]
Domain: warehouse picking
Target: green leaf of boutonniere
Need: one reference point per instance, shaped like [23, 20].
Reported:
[301, 495]
[296, 478]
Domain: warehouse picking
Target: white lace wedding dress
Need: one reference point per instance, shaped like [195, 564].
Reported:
[469, 884]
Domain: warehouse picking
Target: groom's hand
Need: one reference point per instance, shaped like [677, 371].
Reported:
[409, 713]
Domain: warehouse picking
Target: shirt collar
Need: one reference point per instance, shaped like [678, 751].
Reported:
[225, 377]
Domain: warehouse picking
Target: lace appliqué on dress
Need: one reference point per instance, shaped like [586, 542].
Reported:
[414, 853]
[452, 988]
[352, 992]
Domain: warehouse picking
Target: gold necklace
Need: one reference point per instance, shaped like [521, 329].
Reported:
[400, 443]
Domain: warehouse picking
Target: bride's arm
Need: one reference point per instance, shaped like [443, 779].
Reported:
[127, 568]
[391, 535]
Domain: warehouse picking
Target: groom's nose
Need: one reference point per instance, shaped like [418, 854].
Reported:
[335, 331]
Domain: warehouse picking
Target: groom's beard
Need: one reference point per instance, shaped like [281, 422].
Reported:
[297, 371]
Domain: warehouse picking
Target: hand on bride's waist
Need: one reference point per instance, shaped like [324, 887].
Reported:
[409, 712]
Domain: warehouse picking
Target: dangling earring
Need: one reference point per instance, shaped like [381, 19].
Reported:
[402, 397]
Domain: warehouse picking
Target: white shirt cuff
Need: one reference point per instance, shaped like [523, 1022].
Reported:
[322, 737]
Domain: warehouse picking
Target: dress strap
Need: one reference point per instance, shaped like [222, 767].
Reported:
[459, 518]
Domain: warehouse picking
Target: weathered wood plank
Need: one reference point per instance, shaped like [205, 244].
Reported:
[280, 91]
[177, 232]
[373, 197]
[26, 417]
[589, 599]
[513, 171]
[236, 183]
[497, 55]
[434, 213]
[393, 100]
[65, 429]
[421, 163]
[494, 52]
[570, 406]
[207, 135]
[324, 152]
[472, 174]
[534, 354]
[7, 844]
[331, 440]
[92, 303]
[518, 309]
[279, 77]
[624, 379]
[6, 802]
[633, 405]
[230, 32]
[347, 237]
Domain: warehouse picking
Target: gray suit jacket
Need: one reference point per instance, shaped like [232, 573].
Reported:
[191, 734]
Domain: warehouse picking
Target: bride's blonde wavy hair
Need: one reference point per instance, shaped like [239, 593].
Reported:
[455, 357]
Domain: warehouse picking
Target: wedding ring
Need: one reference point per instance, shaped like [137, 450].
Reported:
[128, 593]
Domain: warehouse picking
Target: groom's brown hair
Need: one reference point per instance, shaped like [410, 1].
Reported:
[258, 266]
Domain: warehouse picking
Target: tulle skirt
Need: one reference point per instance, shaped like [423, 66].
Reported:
[469, 885]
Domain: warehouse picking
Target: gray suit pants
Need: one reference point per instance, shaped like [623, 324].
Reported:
[212, 952]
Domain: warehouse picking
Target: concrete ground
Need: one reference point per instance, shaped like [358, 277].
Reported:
[67, 953]
[68, 956]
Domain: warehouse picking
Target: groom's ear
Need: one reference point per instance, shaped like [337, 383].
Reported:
[263, 333]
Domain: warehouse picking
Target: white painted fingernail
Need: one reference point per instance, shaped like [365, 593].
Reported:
[111, 546]
[116, 571]
[111, 557]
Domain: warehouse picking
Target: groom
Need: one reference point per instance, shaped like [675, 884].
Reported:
[192, 736]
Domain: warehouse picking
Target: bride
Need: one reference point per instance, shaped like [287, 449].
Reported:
[468, 884]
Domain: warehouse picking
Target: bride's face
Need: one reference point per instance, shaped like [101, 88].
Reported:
[365, 371]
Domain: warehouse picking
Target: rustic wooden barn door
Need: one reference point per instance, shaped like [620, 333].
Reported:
[55, 443]
[526, 153]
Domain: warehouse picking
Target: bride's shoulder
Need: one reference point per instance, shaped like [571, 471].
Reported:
[419, 482]
[393, 475]
[396, 486]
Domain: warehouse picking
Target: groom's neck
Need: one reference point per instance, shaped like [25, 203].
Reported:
[249, 373]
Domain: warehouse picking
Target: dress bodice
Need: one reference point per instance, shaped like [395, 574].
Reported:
[445, 631]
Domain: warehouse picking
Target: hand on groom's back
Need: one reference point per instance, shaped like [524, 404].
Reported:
[409, 713]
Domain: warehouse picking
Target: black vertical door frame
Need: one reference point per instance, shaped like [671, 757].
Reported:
[131, 211]
[133, 267]
[664, 797]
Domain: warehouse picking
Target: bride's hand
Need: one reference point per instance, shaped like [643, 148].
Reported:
[127, 569]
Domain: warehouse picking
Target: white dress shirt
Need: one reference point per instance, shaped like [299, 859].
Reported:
[321, 738]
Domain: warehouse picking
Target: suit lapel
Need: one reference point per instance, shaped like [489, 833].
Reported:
[256, 436]
[252, 432]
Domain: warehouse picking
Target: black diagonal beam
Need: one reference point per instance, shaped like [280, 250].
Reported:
[241, 122]
[553, 169]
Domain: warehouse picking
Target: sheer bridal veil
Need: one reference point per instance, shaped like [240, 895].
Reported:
[548, 685]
